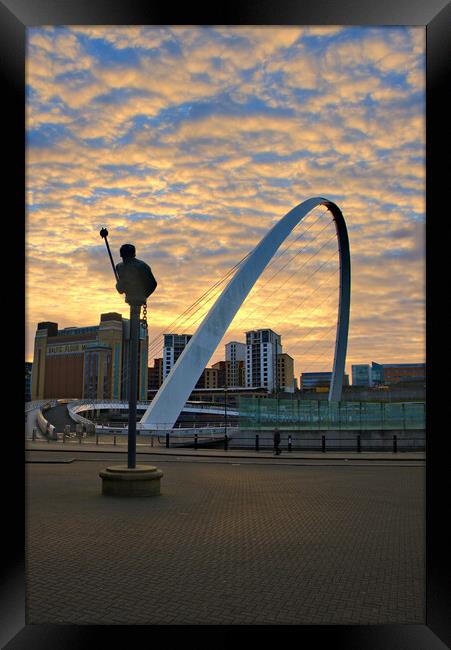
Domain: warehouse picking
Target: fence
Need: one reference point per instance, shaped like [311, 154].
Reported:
[262, 441]
[316, 415]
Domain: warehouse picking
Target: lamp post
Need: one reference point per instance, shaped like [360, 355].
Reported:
[225, 409]
[134, 278]
[135, 311]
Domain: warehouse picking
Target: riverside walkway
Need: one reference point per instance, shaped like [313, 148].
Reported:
[236, 537]
[144, 449]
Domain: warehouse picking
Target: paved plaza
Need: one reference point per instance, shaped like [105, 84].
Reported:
[227, 542]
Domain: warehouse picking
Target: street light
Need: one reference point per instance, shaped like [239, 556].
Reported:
[225, 409]
[134, 278]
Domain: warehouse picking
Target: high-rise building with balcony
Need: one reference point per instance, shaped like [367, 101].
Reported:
[263, 346]
[174, 344]
[156, 374]
[285, 373]
[235, 354]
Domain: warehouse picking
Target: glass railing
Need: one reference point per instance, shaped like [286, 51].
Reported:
[323, 415]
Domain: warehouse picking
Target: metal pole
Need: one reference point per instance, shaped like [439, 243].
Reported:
[225, 411]
[135, 311]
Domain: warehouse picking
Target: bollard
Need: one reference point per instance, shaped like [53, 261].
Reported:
[97, 438]
[167, 441]
[114, 440]
[33, 435]
[289, 443]
[323, 443]
[358, 443]
[195, 441]
[226, 442]
[395, 443]
[257, 446]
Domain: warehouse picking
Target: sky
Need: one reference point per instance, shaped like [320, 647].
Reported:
[192, 142]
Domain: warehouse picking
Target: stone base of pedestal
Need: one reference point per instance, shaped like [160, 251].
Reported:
[121, 481]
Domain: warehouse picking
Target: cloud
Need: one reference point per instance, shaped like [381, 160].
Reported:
[192, 141]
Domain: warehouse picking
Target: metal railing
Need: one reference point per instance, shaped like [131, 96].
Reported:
[258, 442]
[392, 443]
[35, 404]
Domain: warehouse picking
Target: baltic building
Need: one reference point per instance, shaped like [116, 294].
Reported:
[87, 362]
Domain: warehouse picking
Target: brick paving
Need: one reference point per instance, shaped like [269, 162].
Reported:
[227, 544]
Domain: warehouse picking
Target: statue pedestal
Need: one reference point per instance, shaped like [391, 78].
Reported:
[122, 481]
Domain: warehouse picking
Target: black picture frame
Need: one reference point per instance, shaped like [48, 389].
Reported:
[435, 16]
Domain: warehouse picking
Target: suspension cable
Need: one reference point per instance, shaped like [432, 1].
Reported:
[259, 289]
[155, 343]
[246, 316]
[203, 295]
[312, 293]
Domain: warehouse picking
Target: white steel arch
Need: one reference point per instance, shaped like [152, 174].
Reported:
[176, 389]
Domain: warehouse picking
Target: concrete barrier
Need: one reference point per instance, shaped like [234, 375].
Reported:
[335, 440]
